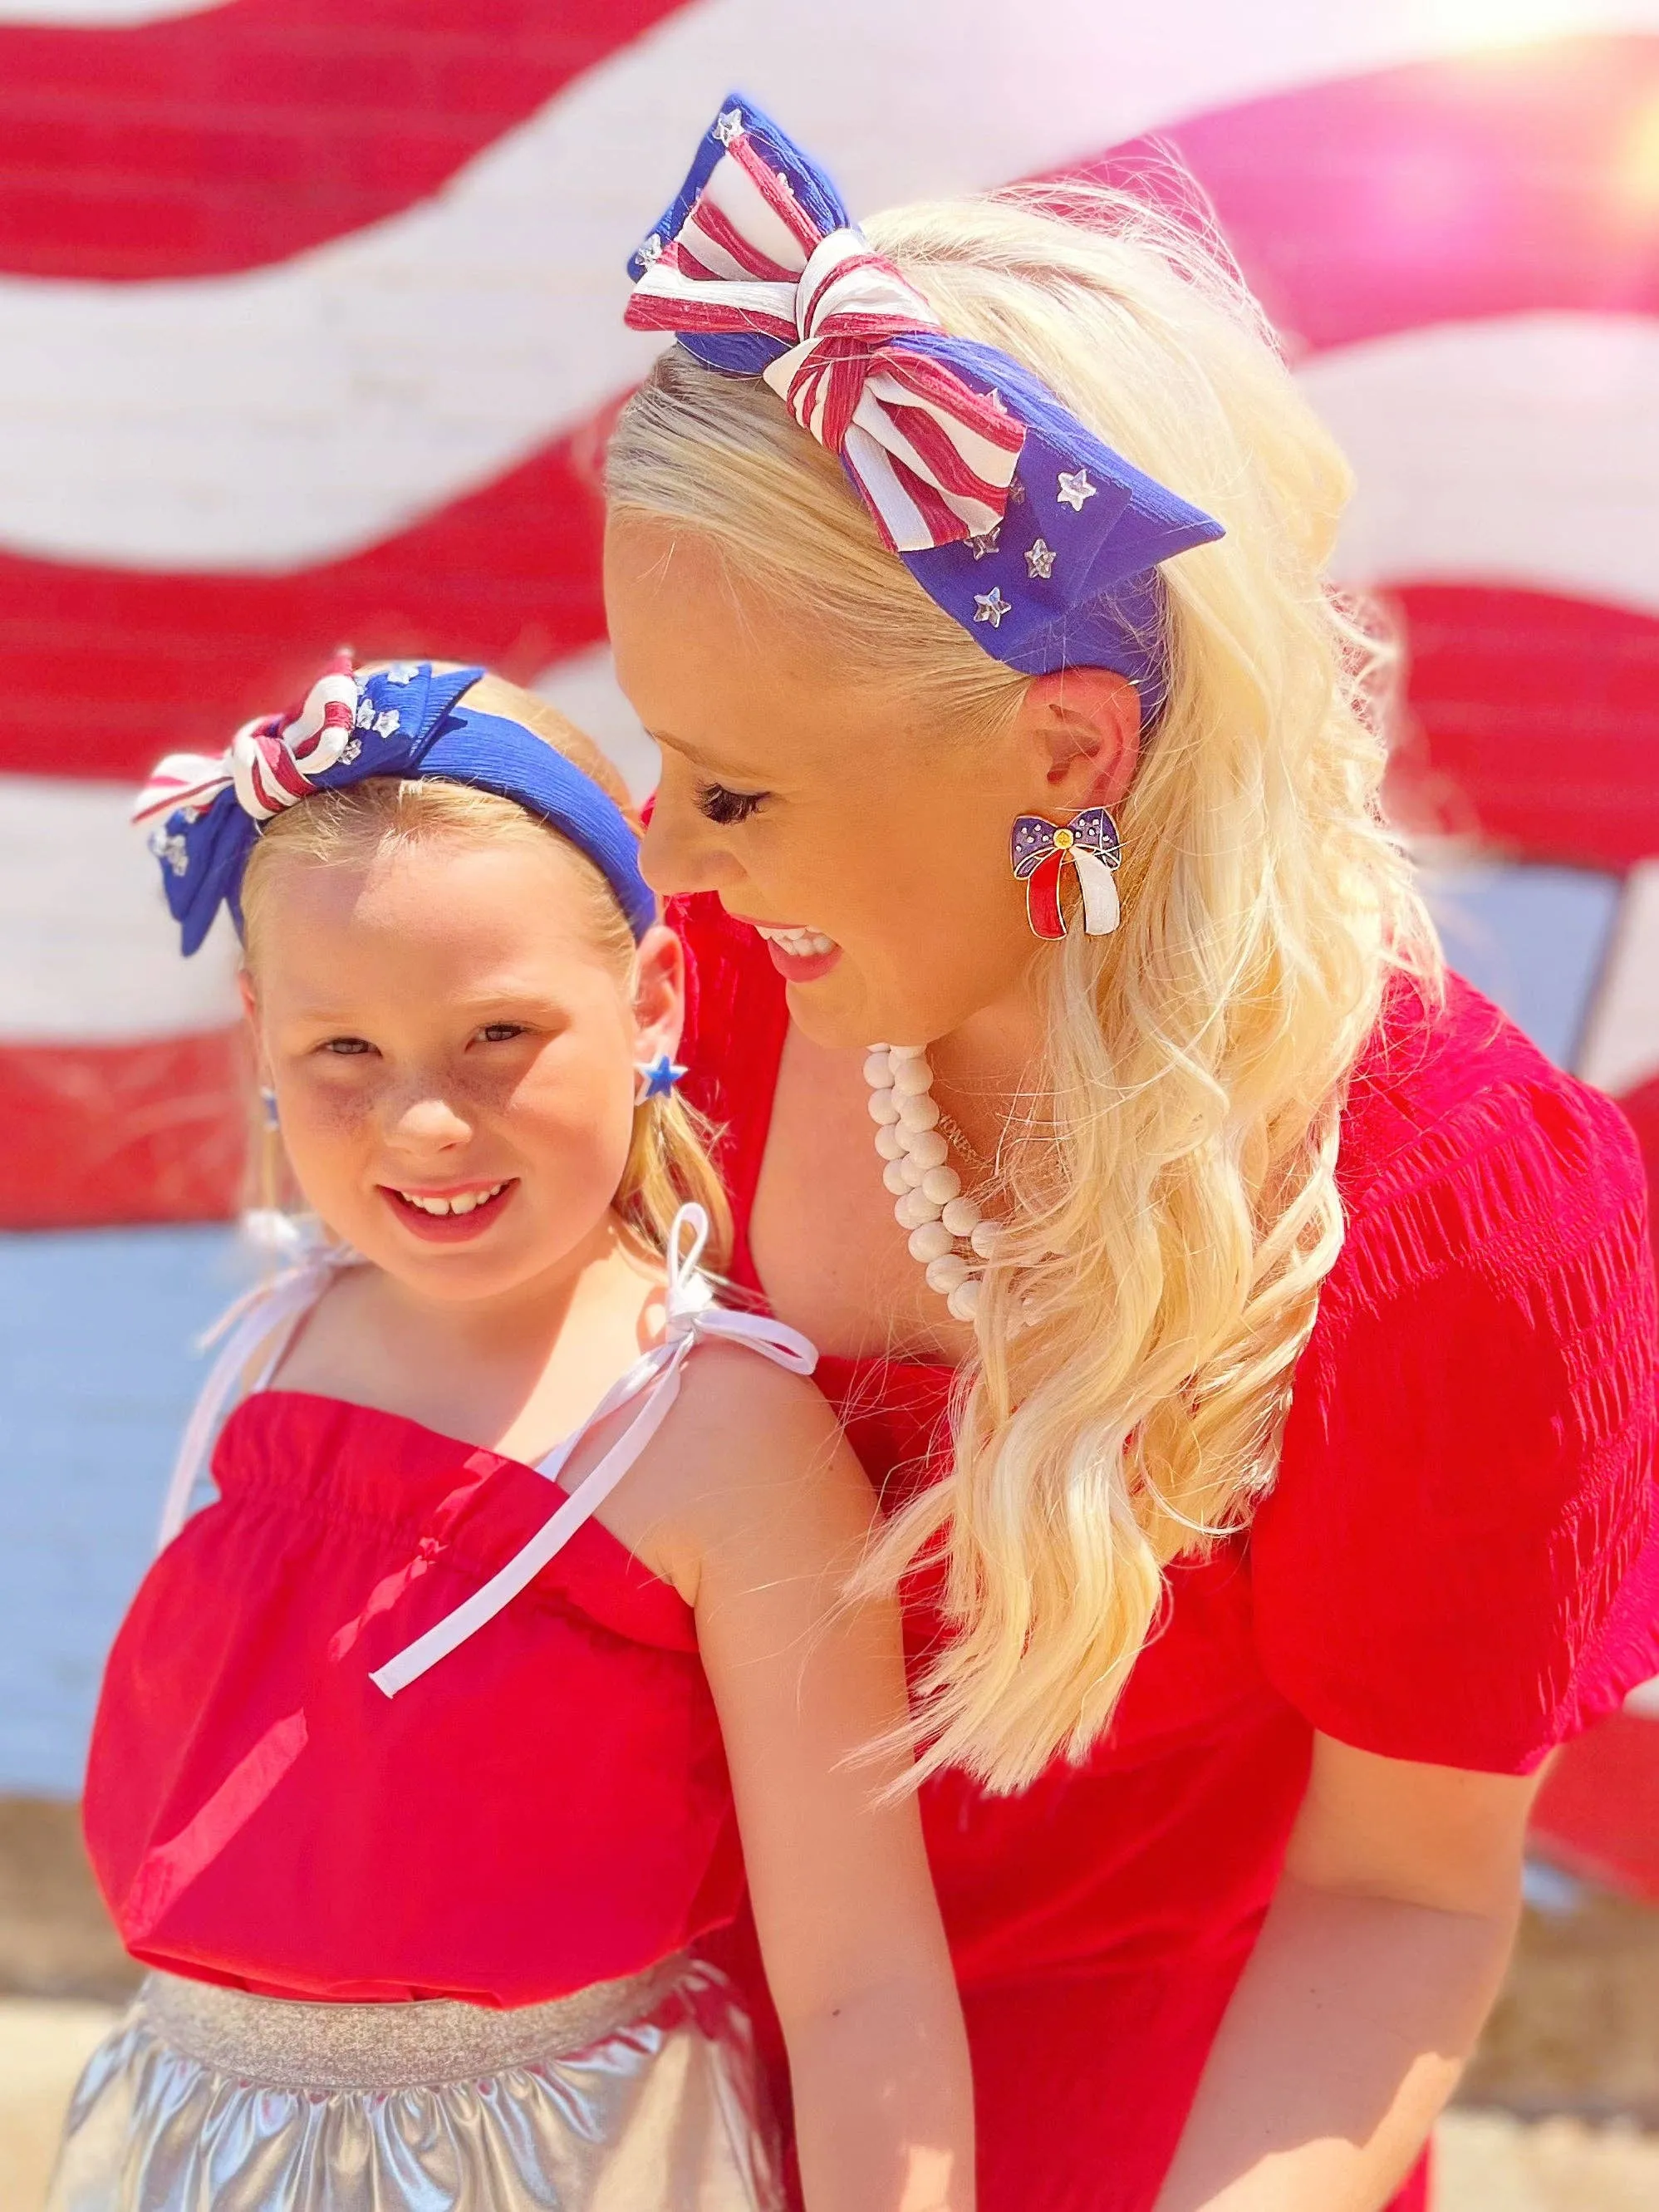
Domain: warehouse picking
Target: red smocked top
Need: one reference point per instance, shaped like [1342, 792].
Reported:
[1459, 1563]
[548, 1807]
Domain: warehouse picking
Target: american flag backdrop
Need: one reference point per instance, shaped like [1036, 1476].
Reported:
[310, 327]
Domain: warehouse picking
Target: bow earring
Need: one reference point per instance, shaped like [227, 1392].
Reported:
[1041, 852]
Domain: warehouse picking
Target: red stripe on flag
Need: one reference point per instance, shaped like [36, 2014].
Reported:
[1496, 184]
[103, 670]
[240, 135]
[114, 1133]
[1533, 723]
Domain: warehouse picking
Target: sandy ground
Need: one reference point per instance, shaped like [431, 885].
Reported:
[1489, 2161]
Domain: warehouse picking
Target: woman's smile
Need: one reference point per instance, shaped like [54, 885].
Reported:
[800, 956]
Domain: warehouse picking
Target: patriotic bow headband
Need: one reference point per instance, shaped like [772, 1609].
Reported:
[408, 721]
[1015, 519]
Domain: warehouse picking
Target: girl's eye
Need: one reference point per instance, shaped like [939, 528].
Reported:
[727, 807]
[501, 1032]
[347, 1046]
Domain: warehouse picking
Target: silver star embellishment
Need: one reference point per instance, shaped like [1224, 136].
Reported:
[1039, 559]
[651, 251]
[986, 542]
[1074, 490]
[351, 751]
[172, 852]
[403, 672]
[728, 125]
[991, 606]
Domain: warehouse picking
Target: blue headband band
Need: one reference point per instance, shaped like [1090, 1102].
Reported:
[1014, 518]
[407, 721]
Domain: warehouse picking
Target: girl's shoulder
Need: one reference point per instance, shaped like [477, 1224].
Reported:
[751, 1464]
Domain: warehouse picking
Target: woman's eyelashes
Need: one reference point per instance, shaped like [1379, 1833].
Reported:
[725, 806]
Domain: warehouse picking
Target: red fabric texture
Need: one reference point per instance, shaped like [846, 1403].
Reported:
[1459, 1564]
[547, 1809]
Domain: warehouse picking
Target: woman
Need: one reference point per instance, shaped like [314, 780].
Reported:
[1294, 1318]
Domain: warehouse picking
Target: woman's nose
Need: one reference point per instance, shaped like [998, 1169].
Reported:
[679, 855]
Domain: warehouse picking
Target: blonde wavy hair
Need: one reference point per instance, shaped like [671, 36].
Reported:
[668, 1159]
[1173, 1197]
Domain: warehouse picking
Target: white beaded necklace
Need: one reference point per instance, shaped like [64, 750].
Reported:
[940, 1215]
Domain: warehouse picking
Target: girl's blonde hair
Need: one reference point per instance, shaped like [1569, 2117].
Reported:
[668, 1160]
[1170, 1231]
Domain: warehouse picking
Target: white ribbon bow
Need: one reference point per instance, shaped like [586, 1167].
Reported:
[692, 1316]
[271, 762]
[933, 458]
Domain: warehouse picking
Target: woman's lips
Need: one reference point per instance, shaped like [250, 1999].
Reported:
[470, 1209]
[800, 956]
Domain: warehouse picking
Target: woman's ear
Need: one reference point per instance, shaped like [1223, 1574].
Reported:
[1080, 729]
[659, 994]
[245, 991]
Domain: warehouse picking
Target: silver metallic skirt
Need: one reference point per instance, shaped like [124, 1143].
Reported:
[636, 2096]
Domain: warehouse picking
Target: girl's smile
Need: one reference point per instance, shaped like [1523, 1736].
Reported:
[455, 1215]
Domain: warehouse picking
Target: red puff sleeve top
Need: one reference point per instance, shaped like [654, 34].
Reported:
[1458, 1563]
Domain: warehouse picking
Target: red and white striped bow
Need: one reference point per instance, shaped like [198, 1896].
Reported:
[272, 762]
[932, 459]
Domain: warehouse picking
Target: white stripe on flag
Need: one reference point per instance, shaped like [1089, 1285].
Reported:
[293, 414]
[1522, 450]
[88, 953]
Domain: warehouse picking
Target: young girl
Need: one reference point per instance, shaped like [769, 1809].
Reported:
[425, 1751]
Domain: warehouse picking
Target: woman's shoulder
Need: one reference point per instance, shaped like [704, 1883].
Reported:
[1451, 1564]
[1461, 1146]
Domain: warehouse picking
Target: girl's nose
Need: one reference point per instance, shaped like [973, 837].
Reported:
[426, 1121]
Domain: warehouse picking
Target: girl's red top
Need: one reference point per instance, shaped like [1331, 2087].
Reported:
[547, 1809]
[1458, 1563]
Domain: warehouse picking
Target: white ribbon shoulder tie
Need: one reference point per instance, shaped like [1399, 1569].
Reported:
[266, 1315]
[693, 1318]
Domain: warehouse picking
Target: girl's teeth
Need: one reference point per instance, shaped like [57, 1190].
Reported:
[465, 1204]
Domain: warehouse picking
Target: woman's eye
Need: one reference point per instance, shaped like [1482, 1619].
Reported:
[725, 806]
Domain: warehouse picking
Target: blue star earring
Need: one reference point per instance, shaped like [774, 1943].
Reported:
[657, 1077]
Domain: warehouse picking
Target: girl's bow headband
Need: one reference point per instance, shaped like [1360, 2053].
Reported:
[1015, 519]
[406, 721]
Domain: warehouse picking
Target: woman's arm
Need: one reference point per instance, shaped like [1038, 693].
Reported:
[1382, 1952]
[777, 1508]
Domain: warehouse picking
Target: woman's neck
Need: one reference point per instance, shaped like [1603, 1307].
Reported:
[986, 1071]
